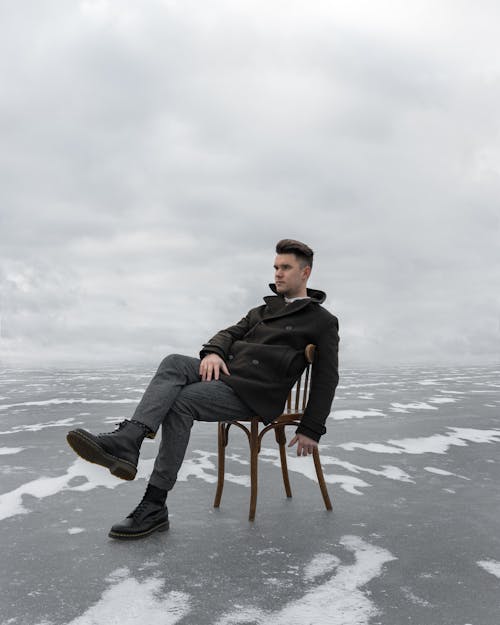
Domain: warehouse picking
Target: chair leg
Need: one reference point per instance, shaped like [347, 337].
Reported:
[221, 461]
[321, 479]
[254, 456]
[281, 440]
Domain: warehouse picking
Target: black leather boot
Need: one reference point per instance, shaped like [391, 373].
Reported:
[118, 451]
[148, 517]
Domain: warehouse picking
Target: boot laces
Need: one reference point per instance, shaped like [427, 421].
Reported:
[139, 509]
[147, 432]
[119, 427]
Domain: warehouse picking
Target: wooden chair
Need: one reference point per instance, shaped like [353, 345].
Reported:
[295, 406]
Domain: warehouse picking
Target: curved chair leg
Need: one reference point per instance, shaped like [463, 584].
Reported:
[281, 440]
[321, 479]
[254, 456]
[221, 461]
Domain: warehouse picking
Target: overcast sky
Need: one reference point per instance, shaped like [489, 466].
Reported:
[153, 152]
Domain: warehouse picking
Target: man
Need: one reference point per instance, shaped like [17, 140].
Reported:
[243, 371]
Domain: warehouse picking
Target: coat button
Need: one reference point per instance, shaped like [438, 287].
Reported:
[255, 362]
[289, 328]
[231, 356]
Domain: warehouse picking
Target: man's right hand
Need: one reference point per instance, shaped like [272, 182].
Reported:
[210, 366]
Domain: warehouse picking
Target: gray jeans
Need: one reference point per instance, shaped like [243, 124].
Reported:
[174, 399]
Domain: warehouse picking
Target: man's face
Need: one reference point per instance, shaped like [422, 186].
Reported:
[290, 278]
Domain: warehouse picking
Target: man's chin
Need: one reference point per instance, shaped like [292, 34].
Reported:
[282, 290]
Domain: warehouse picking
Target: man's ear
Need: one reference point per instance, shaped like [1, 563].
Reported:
[307, 271]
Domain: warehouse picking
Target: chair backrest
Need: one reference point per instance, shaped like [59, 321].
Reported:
[299, 394]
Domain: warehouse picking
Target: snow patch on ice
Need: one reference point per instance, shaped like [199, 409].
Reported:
[337, 601]
[305, 466]
[443, 472]
[130, 601]
[203, 468]
[417, 405]
[36, 427]
[378, 448]
[241, 480]
[198, 467]
[6, 451]
[349, 483]
[57, 401]
[75, 530]
[321, 563]
[437, 443]
[442, 400]
[492, 566]
[411, 596]
[118, 574]
[11, 502]
[340, 415]
[389, 471]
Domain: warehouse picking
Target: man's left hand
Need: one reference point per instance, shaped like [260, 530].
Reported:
[305, 445]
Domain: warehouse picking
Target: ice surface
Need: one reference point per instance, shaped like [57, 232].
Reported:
[337, 601]
[288, 566]
[202, 466]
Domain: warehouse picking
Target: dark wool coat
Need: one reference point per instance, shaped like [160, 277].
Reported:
[264, 353]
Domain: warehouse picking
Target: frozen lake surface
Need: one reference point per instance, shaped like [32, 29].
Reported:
[412, 462]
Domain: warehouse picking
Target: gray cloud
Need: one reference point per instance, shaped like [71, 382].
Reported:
[153, 154]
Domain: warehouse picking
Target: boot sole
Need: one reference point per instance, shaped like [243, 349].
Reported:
[87, 449]
[162, 527]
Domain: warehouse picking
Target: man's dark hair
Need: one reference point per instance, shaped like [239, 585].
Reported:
[302, 251]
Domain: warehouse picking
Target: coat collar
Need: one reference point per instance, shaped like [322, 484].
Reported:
[277, 307]
[315, 294]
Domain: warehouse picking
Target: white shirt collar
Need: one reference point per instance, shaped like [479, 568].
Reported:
[289, 300]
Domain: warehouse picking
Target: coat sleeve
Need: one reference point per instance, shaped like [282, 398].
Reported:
[324, 380]
[221, 342]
